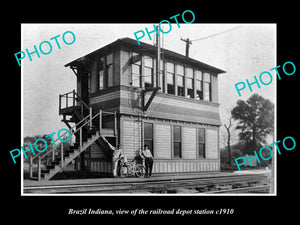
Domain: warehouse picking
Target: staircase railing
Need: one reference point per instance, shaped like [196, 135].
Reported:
[76, 129]
[74, 98]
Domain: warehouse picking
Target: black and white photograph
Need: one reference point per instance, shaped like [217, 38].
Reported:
[113, 120]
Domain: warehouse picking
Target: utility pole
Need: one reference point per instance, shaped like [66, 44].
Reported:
[187, 46]
[158, 61]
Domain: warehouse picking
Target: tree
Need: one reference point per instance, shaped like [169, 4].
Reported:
[228, 139]
[255, 121]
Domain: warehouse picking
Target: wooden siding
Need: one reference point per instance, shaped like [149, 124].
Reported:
[212, 144]
[162, 141]
[189, 140]
[177, 166]
[161, 166]
[131, 138]
[95, 152]
[170, 107]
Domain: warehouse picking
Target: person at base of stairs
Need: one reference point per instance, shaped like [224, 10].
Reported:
[117, 154]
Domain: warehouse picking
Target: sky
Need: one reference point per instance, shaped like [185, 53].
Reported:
[242, 50]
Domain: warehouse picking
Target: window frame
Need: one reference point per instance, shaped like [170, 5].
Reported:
[177, 142]
[149, 140]
[201, 143]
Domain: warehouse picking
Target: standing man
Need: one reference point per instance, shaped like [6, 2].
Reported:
[115, 159]
[146, 154]
[116, 155]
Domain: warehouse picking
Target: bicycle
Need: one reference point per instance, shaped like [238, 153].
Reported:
[126, 169]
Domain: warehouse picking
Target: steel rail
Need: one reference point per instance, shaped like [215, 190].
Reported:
[149, 185]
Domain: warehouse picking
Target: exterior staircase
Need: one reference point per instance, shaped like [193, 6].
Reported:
[88, 129]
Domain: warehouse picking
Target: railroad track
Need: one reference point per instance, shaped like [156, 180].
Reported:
[154, 186]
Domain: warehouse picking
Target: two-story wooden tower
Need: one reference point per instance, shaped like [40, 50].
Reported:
[175, 110]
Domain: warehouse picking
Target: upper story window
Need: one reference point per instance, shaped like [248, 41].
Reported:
[109, 68]
[180, 80]
[148, 71]
[199, 85]
[170, 78]
[101, 74]
[105, 72]
[207, 87]
[136, 69]
[190, 82]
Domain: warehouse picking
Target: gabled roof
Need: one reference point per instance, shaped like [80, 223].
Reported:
[147, 49]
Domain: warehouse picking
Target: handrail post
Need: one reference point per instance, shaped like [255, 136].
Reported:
[53, 152]
[116, 127]
[74, 97]
[59, 102]
[91, 115]
[100, 121]
[39, 168]
[80, 139]
[67, 97]
[61, 155]
[30, 166]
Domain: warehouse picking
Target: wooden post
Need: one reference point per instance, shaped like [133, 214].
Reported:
[53, 153]
[100, 121]
[91, 115]
[116, 127]
[61, 155]
[67, 96]
[80, 139]
[30, 166]
[59, 102]
[39, 168]
[74, 97]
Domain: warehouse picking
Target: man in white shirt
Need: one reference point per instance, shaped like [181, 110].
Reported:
[147, 155]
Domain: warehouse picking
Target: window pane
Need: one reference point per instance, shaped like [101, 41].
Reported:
[170, 78]
[101, 81]
[135, 69]
[199, 95]
[201, 135]
[206, 77]
[148, 62]
[135, 80]
[198, 74]
[177, 133]
[148, 131]
[110, 76]
[180, 91]
[201, 150]
[180, 70]
[199, 85]
[207, 91]
[189, 83]
[148, 71]
[177, 149]
[189, 72]
[170, 67]
[171, 89]
[109, 59]
[180, 81]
